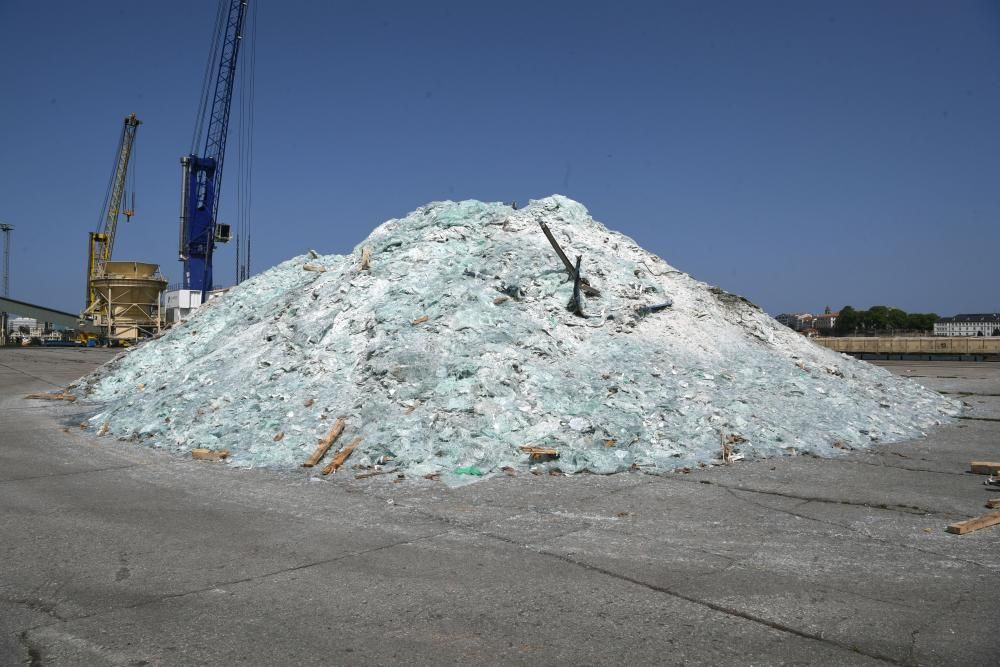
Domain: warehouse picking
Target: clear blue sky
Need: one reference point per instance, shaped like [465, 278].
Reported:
[799, 153]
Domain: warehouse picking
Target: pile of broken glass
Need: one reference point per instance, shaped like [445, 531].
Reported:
[446, 341]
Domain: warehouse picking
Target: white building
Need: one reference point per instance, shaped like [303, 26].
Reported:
[825, 322]
[31, 326]
[797, 321]
[969, 324]
[178, 304]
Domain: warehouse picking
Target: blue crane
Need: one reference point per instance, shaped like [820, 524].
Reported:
[201, 179]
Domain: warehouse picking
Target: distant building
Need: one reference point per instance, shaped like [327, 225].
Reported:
[968, 324]
[824, 323]
[797, 321]
[27, 326]
[818, 324]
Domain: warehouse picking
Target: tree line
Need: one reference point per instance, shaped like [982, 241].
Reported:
[882, 319]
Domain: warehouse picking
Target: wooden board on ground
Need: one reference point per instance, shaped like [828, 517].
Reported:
[203, 454]
[340, 457]
[993, 502]
[985, 467]
[62, 396]
[324, 444]
[984, 521]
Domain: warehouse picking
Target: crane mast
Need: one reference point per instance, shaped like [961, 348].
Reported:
[201, 175]
[102, 242]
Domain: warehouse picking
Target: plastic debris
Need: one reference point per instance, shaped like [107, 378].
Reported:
[613, 391]
[469, 470]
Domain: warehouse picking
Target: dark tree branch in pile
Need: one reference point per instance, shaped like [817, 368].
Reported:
[584, 284]
[575, 304]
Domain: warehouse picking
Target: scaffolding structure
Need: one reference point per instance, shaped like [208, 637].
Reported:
[127, 306]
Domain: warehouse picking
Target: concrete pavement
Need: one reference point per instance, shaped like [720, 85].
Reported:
[113, 553]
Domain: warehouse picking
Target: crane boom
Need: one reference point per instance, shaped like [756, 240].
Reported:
[202, 175]
[102, 242]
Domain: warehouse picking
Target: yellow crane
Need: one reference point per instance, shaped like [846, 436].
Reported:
[102, 242]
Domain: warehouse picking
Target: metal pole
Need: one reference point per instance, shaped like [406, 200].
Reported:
[6, 229]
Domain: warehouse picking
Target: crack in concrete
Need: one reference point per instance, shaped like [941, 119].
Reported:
[868, 535]
[953, 607]
[781, 627]
[72, 472]
[40, 379]
[47, 608]
[886, 465]
[863, 534]
[34, 652]
[724, 609]
[851, 528]
[123, 572]
[258, 577]
[902, 509]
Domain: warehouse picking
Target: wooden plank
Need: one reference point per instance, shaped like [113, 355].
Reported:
[324, 444]
[540, 453]
[985, 467]
[993, 503]
[984, 521]
[420, 320]
[203, 454]
[366, 257]
[61, 396]
[340, 457]
[316, 268]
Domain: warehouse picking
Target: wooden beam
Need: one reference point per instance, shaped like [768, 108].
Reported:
[984, 521]
[324, 444]
[985, 467]
[584, 284]
[993, 503]
[203, 454]
[61, 396]
[536, 453]
[340, 457]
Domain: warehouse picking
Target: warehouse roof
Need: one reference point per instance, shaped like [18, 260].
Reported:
[972, 317]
